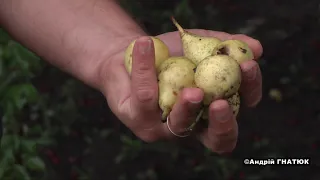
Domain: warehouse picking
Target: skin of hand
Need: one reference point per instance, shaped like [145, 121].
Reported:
[135, 100]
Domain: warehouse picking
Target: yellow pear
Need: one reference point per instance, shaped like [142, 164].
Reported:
[218, 76]
[175, 74]
[196, 47]
[236, 49]
[161, 53]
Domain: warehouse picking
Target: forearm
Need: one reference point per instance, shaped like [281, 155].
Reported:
[74, 35]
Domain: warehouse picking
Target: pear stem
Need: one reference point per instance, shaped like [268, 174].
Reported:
[181, 30]
[197, 119]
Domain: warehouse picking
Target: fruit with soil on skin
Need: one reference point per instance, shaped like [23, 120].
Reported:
[218, 76]
[236, 49]
[161, 53]
[234, 102]
[175, 73]
[196, 47]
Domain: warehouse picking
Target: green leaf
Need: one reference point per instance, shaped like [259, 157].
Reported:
[45, 141]
[4, 37]
[35, 163]
[28, 146]
[7, 158]
[2, 171]
[1, 64]
[11, 142]
[21, 94]
[21, 172]
[131, 142]
[37, 129]
[6, 82]
[25, 53]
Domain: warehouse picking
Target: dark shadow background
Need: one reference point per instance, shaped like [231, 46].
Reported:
[284, 125]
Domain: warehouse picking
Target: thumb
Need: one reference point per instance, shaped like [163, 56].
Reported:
[144, 85]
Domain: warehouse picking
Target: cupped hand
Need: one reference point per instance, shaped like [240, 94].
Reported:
[134, 100]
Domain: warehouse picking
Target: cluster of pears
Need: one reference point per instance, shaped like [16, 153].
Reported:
[208, 63]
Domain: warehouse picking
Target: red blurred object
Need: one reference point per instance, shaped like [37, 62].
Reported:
[53, 157]
[55, 160]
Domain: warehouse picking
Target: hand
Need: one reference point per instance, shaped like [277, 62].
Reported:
[135, 101]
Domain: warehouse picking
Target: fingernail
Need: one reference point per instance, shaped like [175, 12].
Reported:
[145, 46]
[193, 105]
[195, 102]
[221, 114]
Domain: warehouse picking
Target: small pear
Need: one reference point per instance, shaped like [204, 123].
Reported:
[161, 53]
[175, 74]
[173, 61]
[218, 76]
[236, 49]
[196, 47]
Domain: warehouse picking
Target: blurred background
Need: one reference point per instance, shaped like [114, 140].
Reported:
[56, 128]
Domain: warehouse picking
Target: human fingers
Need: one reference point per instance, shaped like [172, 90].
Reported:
[184, 112]
[251, 85]
[222, 132]
[145, 114]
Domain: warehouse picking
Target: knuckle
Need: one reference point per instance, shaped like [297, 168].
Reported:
[146, 94]
[145, 87]
[142, 67]
[223, 134]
